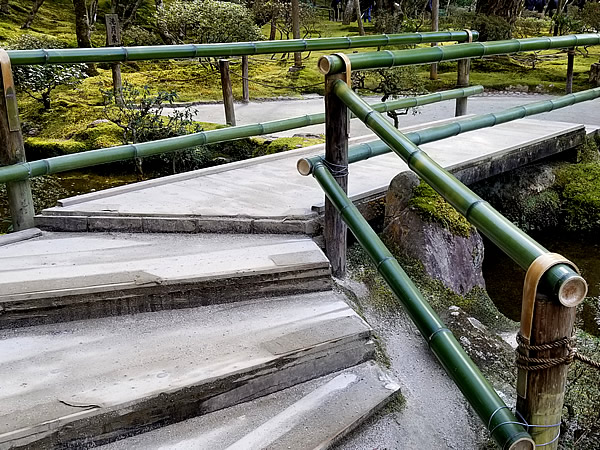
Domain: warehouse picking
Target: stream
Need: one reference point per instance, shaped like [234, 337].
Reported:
[504, 279]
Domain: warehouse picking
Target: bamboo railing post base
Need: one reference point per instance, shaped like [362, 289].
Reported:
[245, 87]
[336, 156]
[570, 67]
[12, 150]
[545, 389]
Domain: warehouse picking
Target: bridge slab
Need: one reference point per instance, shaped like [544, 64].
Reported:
[268, 195]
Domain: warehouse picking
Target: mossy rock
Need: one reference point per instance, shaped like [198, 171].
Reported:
[579, 187]
[431, 207]
[102, 135]
[39, 148]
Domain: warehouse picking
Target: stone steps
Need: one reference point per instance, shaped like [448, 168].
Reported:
[312, 415]
[84, 383]
[47, 277]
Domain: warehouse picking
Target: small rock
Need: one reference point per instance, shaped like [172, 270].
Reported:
[97, 122]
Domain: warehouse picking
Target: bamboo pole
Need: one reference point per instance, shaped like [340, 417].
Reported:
[227, 92]
[560, 280]
[332, 64]
[371, 149]
[123, 152]
[123, 54]
[336, 155]
[245, 87]
[462, 80]
[12, 151]
[570, 66]
[501, 423]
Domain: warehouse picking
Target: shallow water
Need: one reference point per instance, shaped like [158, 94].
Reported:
[504, 279]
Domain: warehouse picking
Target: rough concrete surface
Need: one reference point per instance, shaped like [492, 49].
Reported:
[307, 416]
[54, 375]
[436, 416]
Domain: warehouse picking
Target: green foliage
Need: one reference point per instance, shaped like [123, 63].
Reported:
[432, 207]
[39, 81]
[138, 112]
[531, 26]
[285, 144]
[491, 28]
[581, 415]
[209, 21]
[137, 35]
[590, 16]
[103, 135]
[39, 148]
[579, 187]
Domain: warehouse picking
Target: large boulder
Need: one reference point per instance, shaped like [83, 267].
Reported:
[453, 258]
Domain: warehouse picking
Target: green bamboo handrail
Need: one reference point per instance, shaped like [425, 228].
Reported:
[333, 64]
[561, 280]
[368, 150]
[74, 161]
[504, 427]
[123, 54]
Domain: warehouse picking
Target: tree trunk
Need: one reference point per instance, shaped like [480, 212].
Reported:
[83, 32]
[160, 24]
[273, 34]
[4, 7]
[348, 12]
[507, 9]
[361, 29]
[126, 11]
[33, 12]
[93, 12]
[296, 31]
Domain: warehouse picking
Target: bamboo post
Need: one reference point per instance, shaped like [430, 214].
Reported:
[435, 23]
[544, 390]
[245, 88]
[462, 80]
[12, 150]
[227, 92]
[336, 156]
[570, 64]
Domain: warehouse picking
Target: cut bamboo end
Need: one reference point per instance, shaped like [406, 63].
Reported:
[304, 166]
[524, 443]
[324, 65]
[573, 291]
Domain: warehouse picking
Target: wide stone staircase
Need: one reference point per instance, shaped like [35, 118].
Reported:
[199, 341]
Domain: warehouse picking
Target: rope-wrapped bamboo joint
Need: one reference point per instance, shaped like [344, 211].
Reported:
[333, 64]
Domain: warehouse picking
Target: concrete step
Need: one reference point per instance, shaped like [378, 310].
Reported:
[78, 384]
[47, 277]
[312, 415]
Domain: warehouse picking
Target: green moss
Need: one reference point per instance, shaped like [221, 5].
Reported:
[38, 148]
[579, 188]
[290, 143]
[476, 303]
[100, 136]
[431, 207]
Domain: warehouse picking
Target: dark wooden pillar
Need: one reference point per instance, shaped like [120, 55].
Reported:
[462, 80]
[435, 24]
[12, 151]
[245, 87]
[570, 64]
[336, 155]
[227, 92]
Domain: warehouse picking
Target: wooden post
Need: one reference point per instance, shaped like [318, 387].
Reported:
[336, 155]
[435, 23]
[545, 389]
[113, 39]
[570, 64]
[227, 92]
[245, 88]
[462, 80]
[12, 150]
[296, 32]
